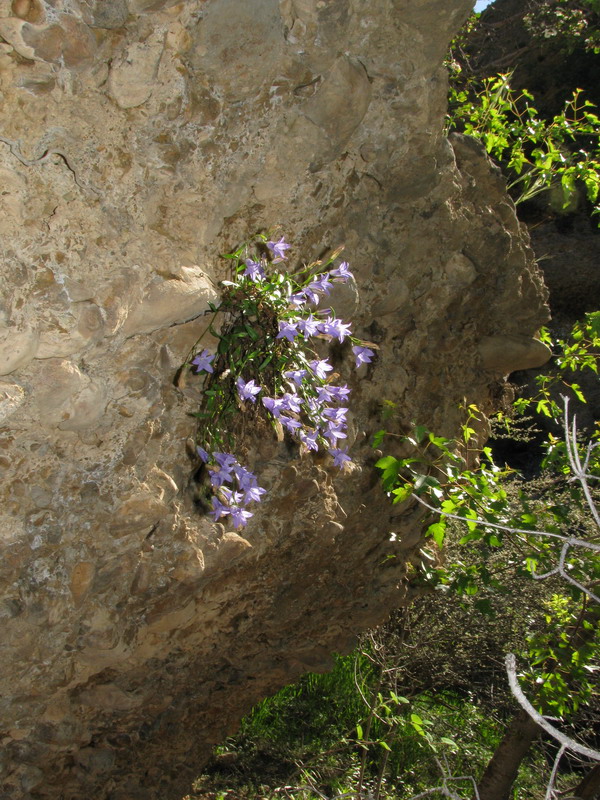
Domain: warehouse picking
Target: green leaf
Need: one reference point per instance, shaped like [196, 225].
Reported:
[359, 731]
[265, 363]
[438, 532]
[402, 493]
[378, 438]
[385, 462]
[451, 742]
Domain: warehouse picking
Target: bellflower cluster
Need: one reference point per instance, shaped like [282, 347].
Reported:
[267, 365]
[235, 487]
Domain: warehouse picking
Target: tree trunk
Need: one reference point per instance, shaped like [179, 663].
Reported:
[503, 767]
[589, 788]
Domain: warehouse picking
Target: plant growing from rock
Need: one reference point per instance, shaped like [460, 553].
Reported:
[536, 154]
[268, 368]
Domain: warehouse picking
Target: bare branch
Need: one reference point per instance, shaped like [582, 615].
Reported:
[569, 744]
[550, 788]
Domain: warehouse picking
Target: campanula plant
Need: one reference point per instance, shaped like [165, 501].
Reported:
[266, 367]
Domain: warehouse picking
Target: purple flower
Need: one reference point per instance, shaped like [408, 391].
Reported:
[247, 391]
[336, 328]
[335, 431]
[308, 326]
[321, 368]
[245, 478]
[225, 460]
[291, 402]
[320, 284]
[203, 454]
[287, 330]
[339, 393]
[291, 424]
[340, 457]
[254, 270]
[219, 476]
[231, 497]
[219, 510]
[312, 406]
[311, 295]
[298, 299]
[295, 376]
[309, 439]
[274, 405]
[338, 415]
[203, 361]
[363, 355]
[279, 247]
[253, 494]
[342, 272]
[325, 394]
[239, 516]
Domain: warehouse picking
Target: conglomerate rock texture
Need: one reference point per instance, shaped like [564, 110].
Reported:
[138, 140]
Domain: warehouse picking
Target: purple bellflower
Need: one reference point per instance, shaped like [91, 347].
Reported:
[279, 247]
[247, 391]
[308, 326]
[239, 516]
[340, 457]
[363, 355]
[342, 272]
[340, 393]
[274, 405]
[254, 270]
[219, 509]
[290, 423]
[295, 376]
[321, 284]
[309, 439]
[321, 368]
[336, 328]
[202, 362]
[287, 330]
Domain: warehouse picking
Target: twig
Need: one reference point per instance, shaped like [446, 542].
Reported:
[569, 744]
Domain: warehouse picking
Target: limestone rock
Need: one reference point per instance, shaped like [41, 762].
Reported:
[18, 346]
[109, 15]
[133, 72]
[171, 302]
[11, 30]
[242, 56]
[11, 397]
[142, 140]
[341, 101]
[508, 353]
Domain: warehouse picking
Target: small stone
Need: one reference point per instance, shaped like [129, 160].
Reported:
[460, 270]
[509, 352]
[18, 346]
[132, 75]
[11, 397]
[82, 575]
[171, 302]
[109, 15]
[232, 546]
[341, 102]
[137, 514]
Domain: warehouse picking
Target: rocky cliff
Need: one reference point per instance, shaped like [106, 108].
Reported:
[138, 140]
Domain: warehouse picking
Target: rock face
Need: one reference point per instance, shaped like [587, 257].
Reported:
[138, 140]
